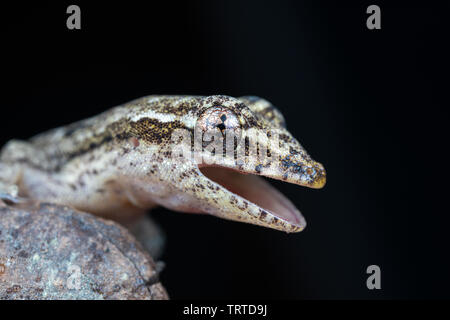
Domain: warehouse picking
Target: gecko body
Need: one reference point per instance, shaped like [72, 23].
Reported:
[128, 159]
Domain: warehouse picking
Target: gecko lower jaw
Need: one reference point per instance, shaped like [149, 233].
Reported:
[279, 212]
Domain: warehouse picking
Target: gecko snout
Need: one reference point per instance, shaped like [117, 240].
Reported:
[305, 173]
[317, 175]
[311, 175]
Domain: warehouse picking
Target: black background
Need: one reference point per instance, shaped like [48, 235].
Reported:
[368, 104]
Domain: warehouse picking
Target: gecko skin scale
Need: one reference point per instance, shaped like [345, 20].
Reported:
[120, 163]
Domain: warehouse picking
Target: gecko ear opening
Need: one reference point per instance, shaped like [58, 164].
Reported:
[256, 190]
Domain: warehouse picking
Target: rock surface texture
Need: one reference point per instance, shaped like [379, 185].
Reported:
[49, 251]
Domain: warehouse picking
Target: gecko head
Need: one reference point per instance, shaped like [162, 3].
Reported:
[236, 141]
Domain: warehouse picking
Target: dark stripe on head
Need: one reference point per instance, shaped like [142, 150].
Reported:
[155, 132]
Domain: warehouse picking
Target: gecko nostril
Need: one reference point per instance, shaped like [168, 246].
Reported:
[320, 170]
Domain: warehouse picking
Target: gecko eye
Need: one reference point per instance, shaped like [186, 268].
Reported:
[220, 118]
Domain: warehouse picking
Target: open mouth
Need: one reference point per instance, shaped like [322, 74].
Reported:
[255, 190]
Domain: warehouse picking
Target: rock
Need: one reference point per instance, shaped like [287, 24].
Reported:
[49, 251]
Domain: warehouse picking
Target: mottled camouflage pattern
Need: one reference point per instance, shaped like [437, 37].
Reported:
[119, 163]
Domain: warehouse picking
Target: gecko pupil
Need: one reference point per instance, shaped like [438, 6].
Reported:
[222, 126]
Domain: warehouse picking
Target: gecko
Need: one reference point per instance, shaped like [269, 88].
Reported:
[121, 163]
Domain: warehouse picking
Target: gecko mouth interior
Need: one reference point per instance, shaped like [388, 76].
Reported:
[256, 190]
